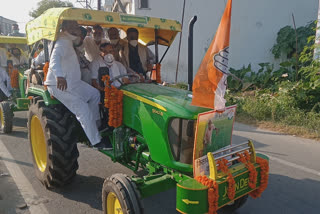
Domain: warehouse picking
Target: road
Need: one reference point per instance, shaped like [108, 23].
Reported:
[294, 182]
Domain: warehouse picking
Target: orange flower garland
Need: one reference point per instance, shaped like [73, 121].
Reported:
[213, 193]
[264, 173]
[231, 182]
[245, 159]
[14, 76]
[113, 101]
[45, 70]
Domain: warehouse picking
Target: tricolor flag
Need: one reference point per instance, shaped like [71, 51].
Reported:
[210, 82]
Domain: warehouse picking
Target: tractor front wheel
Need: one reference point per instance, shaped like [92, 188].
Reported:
[53, 148]
[235, 205]
[6, 117]
[120, 196]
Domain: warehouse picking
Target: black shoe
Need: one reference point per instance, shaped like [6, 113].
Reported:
[102, 146]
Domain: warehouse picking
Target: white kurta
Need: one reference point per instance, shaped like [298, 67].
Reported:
[91, 48]
[115, 70]
[80, 98]
[3, 73]
[21, 61]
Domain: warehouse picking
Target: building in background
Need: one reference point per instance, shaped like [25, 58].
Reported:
[6, 25]
[254, 28]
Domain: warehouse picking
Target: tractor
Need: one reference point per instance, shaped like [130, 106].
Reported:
[155, 130]
[19, 101]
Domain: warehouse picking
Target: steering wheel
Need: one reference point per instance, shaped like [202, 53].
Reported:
[118, 78]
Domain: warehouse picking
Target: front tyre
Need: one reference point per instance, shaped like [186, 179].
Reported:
[53, 148]
[120, 196]
[6, 117]
[236, 205]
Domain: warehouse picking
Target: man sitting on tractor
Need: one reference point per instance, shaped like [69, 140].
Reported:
[64, 83]
[5, 85]
[118, 44]
[91, 44]
[17, 58]
[135, 55]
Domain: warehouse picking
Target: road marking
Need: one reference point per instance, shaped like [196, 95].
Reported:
[302, 168]
[24, 186]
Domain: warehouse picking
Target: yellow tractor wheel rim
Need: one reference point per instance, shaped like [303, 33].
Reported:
[38, 143]
[1, 118]
[113, 204]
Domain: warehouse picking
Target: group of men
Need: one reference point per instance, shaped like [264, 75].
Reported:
[9, 55]
[76, 64]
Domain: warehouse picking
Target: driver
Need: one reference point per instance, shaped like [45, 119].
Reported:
[17, 58]
[110, 66]
[64, 83]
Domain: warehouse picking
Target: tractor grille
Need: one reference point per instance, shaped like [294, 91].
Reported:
[181, 138]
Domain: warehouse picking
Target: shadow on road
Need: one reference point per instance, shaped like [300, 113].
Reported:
[85, 189]
[16, 161]
[20, 122]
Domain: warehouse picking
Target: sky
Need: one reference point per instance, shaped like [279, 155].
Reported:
[18, 10]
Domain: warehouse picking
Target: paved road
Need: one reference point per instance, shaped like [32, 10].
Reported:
[294, 184]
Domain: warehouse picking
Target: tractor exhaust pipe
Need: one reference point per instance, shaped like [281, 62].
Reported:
[190, 52]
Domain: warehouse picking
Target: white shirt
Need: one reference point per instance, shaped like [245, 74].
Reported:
[115, 70]
[15, 61]
[3, 57]
[64, 62]
[91, 48]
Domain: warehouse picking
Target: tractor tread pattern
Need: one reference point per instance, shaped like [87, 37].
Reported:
[59, 124]
[7, 117]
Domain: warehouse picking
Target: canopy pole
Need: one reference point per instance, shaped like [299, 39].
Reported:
[178, 60]
[156, 46]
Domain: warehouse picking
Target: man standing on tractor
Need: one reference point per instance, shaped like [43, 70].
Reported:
[135, 55]
[118, 44]
[91, 44]
[64, 83]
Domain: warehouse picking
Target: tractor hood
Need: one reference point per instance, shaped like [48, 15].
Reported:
[175, 102]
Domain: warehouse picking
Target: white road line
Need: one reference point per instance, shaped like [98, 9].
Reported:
[24, 186]
[302, 168]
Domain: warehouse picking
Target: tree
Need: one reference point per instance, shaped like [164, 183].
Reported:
[44, 5]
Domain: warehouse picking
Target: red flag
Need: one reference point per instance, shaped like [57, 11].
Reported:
[210, 82]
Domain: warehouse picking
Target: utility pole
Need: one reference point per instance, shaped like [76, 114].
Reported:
[99, 5]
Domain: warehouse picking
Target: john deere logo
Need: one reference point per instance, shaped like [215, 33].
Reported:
[157, 27]
[109, 18]
[140, 25]
[133, 19]
[172, 28]
[163, 20]
[87, 16]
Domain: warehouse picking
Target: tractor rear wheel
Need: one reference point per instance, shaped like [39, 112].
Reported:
[121, 196]
[6, 117]
[53, 146]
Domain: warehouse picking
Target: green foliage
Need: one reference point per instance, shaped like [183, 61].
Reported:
[286, 40]
[44, 5]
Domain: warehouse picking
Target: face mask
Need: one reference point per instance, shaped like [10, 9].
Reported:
[109, 59]
[97, 38]
[77, 41]
[134, 43]
[114, 41]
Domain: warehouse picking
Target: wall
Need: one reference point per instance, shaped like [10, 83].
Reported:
[255, 24]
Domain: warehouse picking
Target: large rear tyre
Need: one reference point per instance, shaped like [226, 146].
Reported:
[236, 205]
[121, 196]
[53, 146]
[6, 117]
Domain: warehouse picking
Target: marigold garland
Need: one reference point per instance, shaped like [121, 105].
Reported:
[231, 182]
[45, 70]
[245, 159]
[213, 193]
[158, 73]
[14, 76]
[113, 101]
[264, 174]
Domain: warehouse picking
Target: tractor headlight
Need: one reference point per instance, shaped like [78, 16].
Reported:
[181, 138]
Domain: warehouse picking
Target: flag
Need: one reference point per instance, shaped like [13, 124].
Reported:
[210, 82]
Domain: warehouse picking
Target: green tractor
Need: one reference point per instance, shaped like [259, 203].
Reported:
[19, 101]
[157, 135]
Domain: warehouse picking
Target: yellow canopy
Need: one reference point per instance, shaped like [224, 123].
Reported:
[48, 24]
[13, 40]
